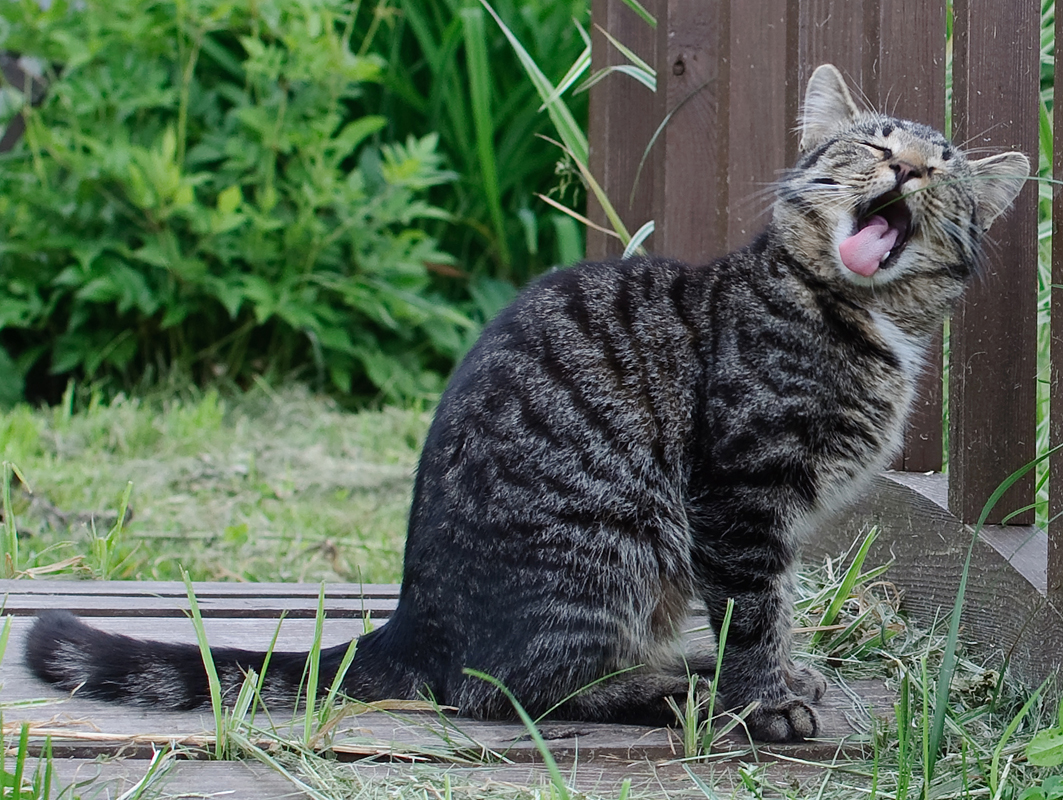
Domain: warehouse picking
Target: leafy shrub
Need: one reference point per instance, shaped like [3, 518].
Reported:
[201, 190]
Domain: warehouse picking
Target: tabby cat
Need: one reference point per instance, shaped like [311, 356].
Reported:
[629, 436]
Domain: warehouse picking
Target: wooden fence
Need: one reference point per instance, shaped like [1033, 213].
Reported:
[730, 73]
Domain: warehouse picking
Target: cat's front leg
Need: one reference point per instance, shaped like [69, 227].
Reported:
[757, 667]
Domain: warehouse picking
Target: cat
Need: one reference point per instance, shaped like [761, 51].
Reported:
[628, 436]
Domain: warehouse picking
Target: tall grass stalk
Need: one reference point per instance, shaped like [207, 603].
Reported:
[104, 549]
[936, 732]
[313, 666]
[14, 782]
[573, 140]
[478, 71]
[556, 778]
[216, 706]
[845, 588]
[10, 532]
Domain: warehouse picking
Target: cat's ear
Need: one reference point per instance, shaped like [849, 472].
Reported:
[997, 180]
[828, 106]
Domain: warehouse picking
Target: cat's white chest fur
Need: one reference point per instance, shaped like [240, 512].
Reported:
[843, 483]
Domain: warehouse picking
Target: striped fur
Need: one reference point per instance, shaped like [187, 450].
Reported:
[628, 436]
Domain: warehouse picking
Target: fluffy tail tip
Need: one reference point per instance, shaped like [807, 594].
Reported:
[57, 644]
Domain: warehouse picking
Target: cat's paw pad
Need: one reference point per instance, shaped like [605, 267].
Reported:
[790, 721]
[806, 682]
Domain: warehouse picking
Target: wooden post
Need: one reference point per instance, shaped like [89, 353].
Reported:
[762, 114]
[1055, 414]
[691, 197]
[622, 121]
[908, 74]
[893, 55]
[993, 336]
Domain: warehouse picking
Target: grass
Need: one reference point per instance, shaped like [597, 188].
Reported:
[267, 486]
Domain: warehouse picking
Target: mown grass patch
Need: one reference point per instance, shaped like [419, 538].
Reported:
[280, 486]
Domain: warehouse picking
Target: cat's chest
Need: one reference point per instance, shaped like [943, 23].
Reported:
[887, 398]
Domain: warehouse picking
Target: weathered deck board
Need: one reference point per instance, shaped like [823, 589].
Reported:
[244, 780]
[162, 599]
[247, 615]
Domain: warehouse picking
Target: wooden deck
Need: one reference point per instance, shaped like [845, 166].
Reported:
[384, 743]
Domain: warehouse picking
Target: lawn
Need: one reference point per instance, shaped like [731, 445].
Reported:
[266, 486]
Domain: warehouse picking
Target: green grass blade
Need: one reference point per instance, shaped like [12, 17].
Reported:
[994, 769]
[556, 777]
[641, 235]
[845, 588]
[479, 72]
[628, 53]
[579, 66]
[314, 667]
[10, 549]
[599, 194]
[700, 783]
[725, 626]
[645, 78]
[5, 633]
[208, 664]
[639, 9]
[567, 128]
[21, 754]
[948, 662]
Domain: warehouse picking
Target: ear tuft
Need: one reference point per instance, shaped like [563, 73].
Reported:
[997, 181]
[828, 107]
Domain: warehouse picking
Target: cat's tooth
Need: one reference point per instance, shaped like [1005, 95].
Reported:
[883, 261]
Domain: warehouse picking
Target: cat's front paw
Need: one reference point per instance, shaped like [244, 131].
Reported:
[806, 682]
[790, 721]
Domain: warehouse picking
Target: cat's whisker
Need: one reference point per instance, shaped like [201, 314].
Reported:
[965, 144]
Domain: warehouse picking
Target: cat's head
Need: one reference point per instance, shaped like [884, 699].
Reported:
[874, 199]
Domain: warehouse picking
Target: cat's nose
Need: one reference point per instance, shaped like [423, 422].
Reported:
[905, 170]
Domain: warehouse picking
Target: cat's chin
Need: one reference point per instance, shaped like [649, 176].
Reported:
[891, 270]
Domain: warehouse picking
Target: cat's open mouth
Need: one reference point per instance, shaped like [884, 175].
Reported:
[882, 228]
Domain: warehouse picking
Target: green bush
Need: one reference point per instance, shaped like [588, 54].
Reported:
[202, 190]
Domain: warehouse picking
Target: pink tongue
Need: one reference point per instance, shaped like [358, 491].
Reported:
[863, 251]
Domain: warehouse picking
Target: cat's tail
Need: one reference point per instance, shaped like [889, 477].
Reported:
[64, 651]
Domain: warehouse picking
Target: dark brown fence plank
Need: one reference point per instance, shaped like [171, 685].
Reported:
[623, 117]
[761, 118]
[993, 341]
[908, 73]
[834, 31]
[1055, 480]
[202, 589]
[691, 196]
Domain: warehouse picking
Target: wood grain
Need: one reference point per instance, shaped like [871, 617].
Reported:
[908, 79]
[1006, 615]
[993, 371]
[246, 780]
[691, 197]
[84, 728]
[623, 119]
[760, 118]
[1055, 414]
